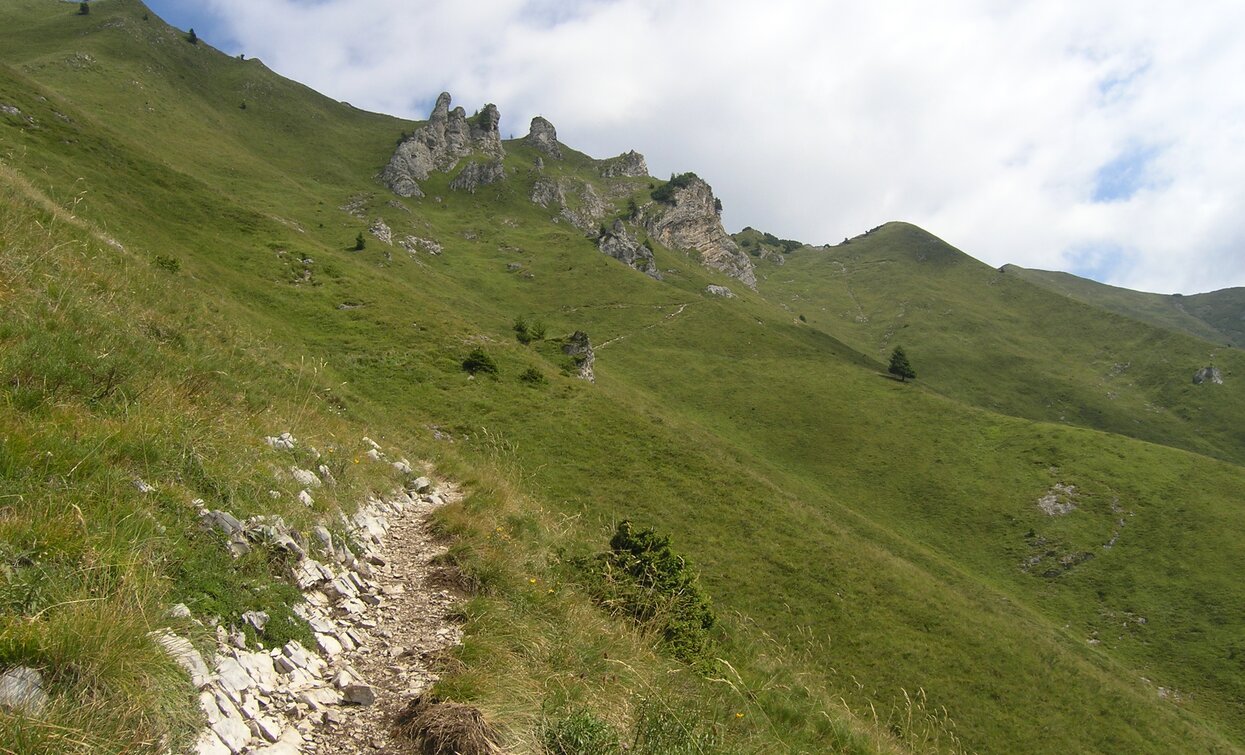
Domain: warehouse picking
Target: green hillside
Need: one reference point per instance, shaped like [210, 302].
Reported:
[1214, 316]
[884, 576]
[998, 341]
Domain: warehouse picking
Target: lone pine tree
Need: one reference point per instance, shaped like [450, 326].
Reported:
[899, 365]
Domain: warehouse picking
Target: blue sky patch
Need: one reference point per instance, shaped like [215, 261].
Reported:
[1100, 261]
[1125, 175]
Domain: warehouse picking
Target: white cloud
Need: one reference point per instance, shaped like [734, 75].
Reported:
[986, 123]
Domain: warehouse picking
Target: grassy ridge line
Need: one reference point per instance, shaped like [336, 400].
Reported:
[1160, 310]
[999, 342]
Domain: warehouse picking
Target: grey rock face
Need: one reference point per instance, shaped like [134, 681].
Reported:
[448, 137]
[544, 137]
[630, 164]
[1208, 375]
[579, 348]
[476, 175]
[590, 211]
[692, 223]
[623, 247]
[721, 291]
[21, 691]
[546, 192]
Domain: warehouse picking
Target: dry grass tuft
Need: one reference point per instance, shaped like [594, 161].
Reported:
[446, 728]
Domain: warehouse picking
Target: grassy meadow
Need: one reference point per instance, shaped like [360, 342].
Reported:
[181, 280]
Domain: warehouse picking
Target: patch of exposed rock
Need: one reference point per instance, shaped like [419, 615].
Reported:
[721, 291]
[629, 164]
[546, 192]
[1208, 375]
[1059, 500]
[579, 349]
[447, 137]
[691, 222]
[589, 212]
[622, 246]
[544, 137]
[381, 230]
[477, 174]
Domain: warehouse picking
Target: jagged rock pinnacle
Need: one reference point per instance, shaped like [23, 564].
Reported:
[544, 137]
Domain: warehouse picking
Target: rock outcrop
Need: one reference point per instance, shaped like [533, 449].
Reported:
[578, 202]
[447, 137]
[690, 221]
[546, 192]
[544, 137]
[1208, 375]
[579, 349]
[721, 291]
[590, 211]
[622, 246]
[629, 164]
[477, 174]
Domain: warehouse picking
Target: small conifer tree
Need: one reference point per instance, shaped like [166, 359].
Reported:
[899, 366]
[359, 242]
[84, 9]
[192, 38]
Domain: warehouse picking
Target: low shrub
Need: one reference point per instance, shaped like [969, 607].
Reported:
[641, 576]
[478, 361]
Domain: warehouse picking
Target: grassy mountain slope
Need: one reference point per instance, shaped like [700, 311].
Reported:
[1000, 342]
[1214, 316]
[859, 537]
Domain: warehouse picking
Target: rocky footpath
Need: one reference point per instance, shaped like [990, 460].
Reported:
[447, 137]
[376, 612]
[690, 221]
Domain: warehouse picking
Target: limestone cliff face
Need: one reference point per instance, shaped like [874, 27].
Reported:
[448, 137]
[622, 246]
[690, 221]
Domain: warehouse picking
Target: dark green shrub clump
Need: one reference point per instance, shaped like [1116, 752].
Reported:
[478, 361]
[527, 332]
[642, 577]
[665, 192]
[533, 376]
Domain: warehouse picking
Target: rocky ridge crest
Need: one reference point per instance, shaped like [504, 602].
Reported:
[690, 221]
[447, 137]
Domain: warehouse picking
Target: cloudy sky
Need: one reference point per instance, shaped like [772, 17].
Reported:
[1106, 138]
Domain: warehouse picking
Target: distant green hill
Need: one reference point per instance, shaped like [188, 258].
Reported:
[999, 341]
[1218, 316]
[1031, 548]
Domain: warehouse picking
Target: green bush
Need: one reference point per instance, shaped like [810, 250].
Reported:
[665, 192]
[478, 361]
[642, 577]
[527, 332]
[533, 376]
